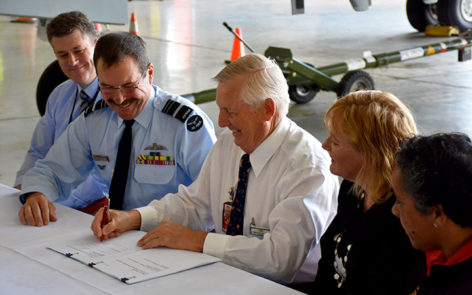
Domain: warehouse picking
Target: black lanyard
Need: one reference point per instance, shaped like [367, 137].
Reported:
[75, 102]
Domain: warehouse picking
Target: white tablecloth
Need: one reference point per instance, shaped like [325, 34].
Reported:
[27, 267]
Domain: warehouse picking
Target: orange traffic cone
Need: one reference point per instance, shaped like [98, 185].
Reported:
[98, 28]
[133, 25]
[238, 46]
[24, 19]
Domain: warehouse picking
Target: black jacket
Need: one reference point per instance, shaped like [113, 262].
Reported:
[372, 248]
[446, 280]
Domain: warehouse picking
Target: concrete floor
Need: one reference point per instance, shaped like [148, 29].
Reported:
[188, 46]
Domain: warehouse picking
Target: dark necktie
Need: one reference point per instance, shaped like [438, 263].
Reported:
[236, 221]
[120, 174]
[85, 101]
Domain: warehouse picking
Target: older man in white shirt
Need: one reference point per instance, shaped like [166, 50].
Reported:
[284, 202]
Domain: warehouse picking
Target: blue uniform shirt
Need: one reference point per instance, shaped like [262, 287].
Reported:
[169, 126]
[63, 106]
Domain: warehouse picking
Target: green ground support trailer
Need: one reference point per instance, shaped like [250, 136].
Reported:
[305, 80]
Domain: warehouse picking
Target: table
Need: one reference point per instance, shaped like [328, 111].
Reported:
[27, 267]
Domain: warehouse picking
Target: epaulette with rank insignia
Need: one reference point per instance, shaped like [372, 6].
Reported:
[177, 110]
[181, 113]
[99, 105]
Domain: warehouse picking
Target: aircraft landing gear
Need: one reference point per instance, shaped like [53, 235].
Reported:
[456, 13]
[420, 14]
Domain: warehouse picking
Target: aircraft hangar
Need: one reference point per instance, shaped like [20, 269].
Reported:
[188, 45]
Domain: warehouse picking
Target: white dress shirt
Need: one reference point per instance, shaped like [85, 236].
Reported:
[291, 192]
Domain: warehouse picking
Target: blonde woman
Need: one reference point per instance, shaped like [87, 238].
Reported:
[365, 250]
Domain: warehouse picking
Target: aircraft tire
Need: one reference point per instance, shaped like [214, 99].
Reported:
[455, 13]
[354, 81]
[421, 15]
[50, 78]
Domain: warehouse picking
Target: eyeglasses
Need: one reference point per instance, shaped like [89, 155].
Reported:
[126, 90]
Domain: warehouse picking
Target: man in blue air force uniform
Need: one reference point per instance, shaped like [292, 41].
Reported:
[72, 37]
[170, 137]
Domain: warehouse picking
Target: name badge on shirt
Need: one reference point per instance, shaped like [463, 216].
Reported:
[257, 231]
[101, 158]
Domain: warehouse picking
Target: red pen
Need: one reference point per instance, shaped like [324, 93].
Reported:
[104, 217]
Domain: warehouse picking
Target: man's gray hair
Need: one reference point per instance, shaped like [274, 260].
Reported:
[264, 80]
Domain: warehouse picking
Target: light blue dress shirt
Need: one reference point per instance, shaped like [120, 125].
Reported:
[91, 144]
[63, 106]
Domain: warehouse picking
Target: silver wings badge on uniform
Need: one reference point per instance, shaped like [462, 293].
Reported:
[156, 147]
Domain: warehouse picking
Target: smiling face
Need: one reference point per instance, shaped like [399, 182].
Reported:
[418, 227]
[126, 73]
[250, 126]
[74, 52]
[345, 160]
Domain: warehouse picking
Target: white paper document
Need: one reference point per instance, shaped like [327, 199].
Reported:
[122, 259]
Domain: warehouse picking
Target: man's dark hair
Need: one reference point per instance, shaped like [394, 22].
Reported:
[65, 23]
[437, 170]
[113, 47]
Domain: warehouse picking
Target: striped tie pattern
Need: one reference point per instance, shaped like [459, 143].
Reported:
[85, 101]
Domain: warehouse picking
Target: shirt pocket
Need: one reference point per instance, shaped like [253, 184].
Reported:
[154, 174]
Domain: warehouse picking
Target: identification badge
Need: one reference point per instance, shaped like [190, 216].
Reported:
[226, 215]
[258, 231]
[227, 206]
[100, 158]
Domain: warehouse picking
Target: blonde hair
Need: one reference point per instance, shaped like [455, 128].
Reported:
[374, 122]
[264, 80]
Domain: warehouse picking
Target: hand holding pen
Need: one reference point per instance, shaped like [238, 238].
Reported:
[104, 217]
[109, 223]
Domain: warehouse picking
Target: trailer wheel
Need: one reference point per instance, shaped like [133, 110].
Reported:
[355, 81]
[302, 94]
[50, 78]
[421, 15]
[456, 13]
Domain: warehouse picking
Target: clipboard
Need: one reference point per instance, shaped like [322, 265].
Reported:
[121, 259]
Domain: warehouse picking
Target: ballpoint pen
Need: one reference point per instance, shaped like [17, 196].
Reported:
[104, 217]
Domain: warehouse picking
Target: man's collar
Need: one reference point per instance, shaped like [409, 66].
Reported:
[91, 90]
[261, 155]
